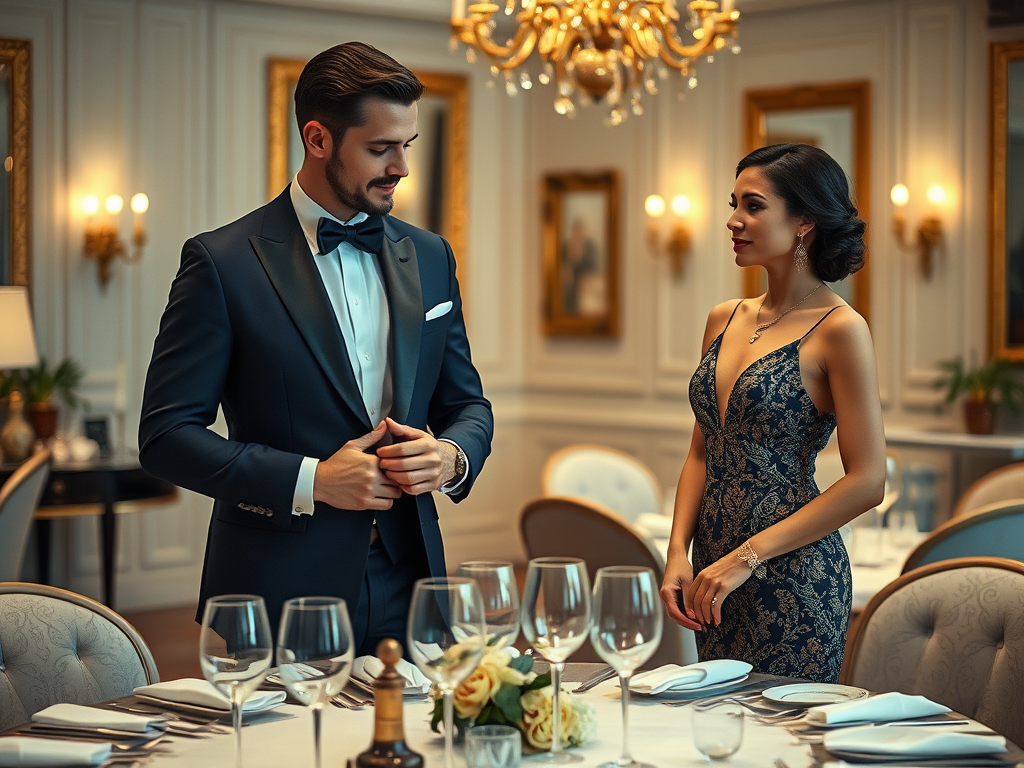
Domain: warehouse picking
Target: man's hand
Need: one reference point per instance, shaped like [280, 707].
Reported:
[352, 479]
[418, 465]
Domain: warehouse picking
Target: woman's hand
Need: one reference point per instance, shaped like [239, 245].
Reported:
[707, 592]
[678, 575]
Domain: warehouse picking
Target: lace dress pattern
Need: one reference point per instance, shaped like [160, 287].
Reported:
[760, 470]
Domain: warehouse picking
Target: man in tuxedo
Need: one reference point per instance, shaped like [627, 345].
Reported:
[332, 337]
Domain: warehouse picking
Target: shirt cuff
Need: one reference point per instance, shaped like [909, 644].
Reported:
[302, 500]
[448, 488]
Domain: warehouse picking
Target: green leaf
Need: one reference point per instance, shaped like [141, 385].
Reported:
[507, 700]
[538, 682]
[522, 663]
[438, 715]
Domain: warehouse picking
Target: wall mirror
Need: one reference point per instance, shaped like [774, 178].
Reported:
[1006, 224]
[837, 118]
[15, 118]
[433, 196]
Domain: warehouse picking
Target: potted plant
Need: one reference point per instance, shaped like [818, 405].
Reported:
[985, 387]
[41, 386]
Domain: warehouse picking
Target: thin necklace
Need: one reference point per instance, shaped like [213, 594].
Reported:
[762, 327]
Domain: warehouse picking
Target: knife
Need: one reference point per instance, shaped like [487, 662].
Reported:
[590, 682]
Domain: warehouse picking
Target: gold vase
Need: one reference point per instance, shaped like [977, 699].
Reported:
[17, 436]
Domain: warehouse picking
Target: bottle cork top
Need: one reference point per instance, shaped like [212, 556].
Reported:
[389, 652]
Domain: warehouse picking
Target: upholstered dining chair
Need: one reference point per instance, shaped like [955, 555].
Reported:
[996, 530]
[19, 498]
[57, 646]
[605, 476]
[952, 631]
[558, 526]
[1003, 484]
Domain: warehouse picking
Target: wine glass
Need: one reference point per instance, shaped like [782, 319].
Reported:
[235, 651]
[626, 632]
[556, 620]
[446, 638]
[315, 650]
[497, 584]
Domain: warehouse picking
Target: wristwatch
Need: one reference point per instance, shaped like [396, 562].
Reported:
[461, 464]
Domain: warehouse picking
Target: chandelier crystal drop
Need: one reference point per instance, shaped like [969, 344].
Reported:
[610, 51]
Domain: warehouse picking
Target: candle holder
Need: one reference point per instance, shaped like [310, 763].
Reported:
[103, 242]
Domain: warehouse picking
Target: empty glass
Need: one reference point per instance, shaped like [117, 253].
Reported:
[497, 584]
[626, 632]
[235, 651]
[718, 731]
[493, 746]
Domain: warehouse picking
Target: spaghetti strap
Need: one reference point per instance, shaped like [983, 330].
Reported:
[731, 317]
[821, 320]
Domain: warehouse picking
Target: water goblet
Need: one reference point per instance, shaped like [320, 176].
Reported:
[625, 632]
[235, 651]
[315, 650]
[556, 622]
[493, 746]
[718, 731]
[446, 638]
[496, 581]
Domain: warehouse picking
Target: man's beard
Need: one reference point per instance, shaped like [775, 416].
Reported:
[358, 199]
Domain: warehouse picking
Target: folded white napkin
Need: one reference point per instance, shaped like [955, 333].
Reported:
[90, 717]
[654, 525]
[882, 708]
[191, 690]
[911, 741]
[367, 668]
[26, 750]
[673, 677]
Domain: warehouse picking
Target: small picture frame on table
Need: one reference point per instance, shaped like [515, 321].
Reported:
[98, 428]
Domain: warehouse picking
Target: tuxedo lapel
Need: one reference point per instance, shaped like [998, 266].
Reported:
[401, 273]
[297, 281]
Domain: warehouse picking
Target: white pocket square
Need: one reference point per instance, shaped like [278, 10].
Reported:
[439, 311]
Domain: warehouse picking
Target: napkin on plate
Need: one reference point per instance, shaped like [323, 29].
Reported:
[191, 690]
[367, 668]
[882, 708]
[75, 715]
[672, 677]
[27, 750]
[911, 741]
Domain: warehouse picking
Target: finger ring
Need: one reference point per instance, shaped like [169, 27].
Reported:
[714, 600]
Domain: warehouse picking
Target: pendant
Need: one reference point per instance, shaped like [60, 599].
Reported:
[755, 337]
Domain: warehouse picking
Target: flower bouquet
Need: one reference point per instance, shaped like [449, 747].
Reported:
[504, 690]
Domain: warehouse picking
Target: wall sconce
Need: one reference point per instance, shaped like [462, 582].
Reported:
[929, 232]
[103, 239]
[678, 242]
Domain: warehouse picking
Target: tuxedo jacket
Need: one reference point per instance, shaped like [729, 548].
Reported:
[249, 327]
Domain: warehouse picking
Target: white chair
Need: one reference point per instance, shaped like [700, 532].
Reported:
[566, 527]
[1003, 484]
[19, 498]
[58, 646]
[613, 479]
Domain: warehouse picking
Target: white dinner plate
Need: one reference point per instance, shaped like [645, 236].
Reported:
[694, 693]
[813, 694]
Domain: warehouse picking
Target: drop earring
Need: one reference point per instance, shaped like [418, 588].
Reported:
[800, 254]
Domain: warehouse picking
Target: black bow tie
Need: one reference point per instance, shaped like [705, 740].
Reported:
[366, 236]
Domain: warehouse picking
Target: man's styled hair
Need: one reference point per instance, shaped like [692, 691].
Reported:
[335, 84]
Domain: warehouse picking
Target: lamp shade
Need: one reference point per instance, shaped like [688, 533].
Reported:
[17, 338]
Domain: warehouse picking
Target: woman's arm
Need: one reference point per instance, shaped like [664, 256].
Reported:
[849, 365]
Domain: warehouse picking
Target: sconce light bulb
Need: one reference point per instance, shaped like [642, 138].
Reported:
[900, 195]
[654, 205]
[680, 205]
[115, 203]
[936, 194]
[91, 205]
[140, 202]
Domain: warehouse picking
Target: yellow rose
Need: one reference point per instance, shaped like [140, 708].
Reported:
[497, 664]
[537, 725]
[474, 692]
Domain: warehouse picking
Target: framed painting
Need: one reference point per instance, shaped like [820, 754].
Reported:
[581, 254]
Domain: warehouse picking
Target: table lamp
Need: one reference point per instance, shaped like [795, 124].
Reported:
[17, 350]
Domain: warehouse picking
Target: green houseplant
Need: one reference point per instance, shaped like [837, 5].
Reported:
[42, 385]
[984, 387]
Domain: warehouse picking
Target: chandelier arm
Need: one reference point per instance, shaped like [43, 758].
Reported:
[689, 51]
[681, 64]
[510, 56]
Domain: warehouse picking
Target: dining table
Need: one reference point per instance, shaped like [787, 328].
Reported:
[660, 735]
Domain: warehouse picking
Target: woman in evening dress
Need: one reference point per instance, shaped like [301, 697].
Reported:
[770, 579]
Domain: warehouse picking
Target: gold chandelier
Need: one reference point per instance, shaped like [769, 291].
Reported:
[597, 50]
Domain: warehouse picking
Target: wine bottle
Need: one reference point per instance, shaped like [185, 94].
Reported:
[389, 749]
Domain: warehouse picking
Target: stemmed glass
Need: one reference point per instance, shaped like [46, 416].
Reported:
[235, 651]
[556, 620]
[626, 632]
[497, 584]
[315, 650]
[446, 638]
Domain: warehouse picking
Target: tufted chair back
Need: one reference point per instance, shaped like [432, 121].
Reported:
[952, 631]
[565, 527]
[1003, 484]
[56, 646]
[993, 531]
[603, 475]
[19, 498]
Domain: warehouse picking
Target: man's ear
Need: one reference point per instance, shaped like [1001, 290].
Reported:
[317, 140]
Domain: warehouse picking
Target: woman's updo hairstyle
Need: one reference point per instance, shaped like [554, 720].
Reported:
[814, 186]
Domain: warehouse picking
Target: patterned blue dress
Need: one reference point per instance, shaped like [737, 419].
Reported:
[760, 469]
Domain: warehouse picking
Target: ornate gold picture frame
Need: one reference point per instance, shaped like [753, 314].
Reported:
[581, 254]
[16, 157]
